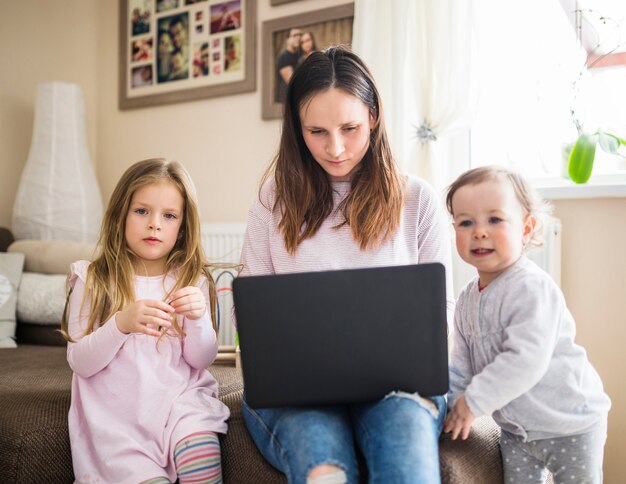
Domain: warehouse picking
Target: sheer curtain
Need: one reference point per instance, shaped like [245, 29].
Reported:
[420, 52]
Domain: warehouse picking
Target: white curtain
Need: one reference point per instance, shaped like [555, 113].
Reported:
[420, 52]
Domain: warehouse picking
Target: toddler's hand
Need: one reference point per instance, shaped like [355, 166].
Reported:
[459, 420]
[189, 302]
[136, 317]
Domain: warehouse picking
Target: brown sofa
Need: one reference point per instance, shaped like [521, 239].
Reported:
[35, 396]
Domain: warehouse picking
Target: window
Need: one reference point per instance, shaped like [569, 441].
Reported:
[531, 75]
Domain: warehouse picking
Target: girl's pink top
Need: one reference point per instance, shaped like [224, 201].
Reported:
[133, 400]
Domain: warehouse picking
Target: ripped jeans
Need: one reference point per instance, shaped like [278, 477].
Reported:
[398, 436]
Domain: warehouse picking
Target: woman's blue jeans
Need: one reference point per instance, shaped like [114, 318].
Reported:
[398, 436]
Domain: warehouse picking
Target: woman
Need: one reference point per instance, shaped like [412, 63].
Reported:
[307, 45]
[333, 199]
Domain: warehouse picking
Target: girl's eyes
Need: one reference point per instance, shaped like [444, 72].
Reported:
[465, 223]
[143, 211]
[495, 220]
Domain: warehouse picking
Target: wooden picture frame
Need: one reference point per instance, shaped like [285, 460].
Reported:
[182, 50]
[273, 3]
[329, 26]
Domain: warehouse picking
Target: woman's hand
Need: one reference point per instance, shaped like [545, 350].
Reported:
[189, 302]
[137, 317]
[459, 420]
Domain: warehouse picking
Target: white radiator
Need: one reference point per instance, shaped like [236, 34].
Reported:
[548, 256]
[222, 245]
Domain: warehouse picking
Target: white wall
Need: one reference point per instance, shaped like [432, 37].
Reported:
[41, 41]
[594, 284]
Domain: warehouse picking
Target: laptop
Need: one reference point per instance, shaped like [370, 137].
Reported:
[342, 336]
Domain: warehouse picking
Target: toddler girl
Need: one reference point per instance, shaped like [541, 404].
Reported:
[514, 355]
[140, 338]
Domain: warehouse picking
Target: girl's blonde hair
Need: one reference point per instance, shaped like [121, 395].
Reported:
[529, 199]
[303, 191]
[110, 277]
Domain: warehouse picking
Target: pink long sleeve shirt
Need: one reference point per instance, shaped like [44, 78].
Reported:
[133, 400]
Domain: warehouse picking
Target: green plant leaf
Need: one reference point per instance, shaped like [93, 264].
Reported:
[581, 158]
[608, 142]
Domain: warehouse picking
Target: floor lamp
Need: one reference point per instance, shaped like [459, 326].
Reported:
[58, 197]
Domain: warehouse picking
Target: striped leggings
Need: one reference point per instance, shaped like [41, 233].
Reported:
[197, 460]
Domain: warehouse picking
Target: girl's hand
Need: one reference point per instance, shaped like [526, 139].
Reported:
[459, 420]
[136, 317]
[189, 302]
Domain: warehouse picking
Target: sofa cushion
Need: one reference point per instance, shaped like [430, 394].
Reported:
[41, 298]
[10, 275]
[51, 256]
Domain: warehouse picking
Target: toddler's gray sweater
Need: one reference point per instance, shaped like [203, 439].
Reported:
[515, 358]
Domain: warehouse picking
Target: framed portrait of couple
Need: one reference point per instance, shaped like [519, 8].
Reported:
[287, 41]
[182, 50]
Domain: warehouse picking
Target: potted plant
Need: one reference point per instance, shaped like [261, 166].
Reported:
[583, 153]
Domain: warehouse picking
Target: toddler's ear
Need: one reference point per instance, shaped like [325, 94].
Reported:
[529, 227]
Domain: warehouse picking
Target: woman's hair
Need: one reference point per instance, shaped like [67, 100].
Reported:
[304, 192]
[529, 199]
[110, 277]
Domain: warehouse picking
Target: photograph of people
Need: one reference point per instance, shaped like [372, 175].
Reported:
[291, 44]
[201, 60]
[141, 76]
[179, 32]
[178, 67]
[232, 53]
[140, 21]
[164, 5]
[173, 48]
[286, 62]
[165, 49]
[225, 16]
[307, 45]
[142, 49]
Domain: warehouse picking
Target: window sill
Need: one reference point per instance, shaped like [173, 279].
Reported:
[598, 186]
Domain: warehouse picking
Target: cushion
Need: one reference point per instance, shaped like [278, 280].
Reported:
[51, 256]
[10, 274]
[41, 298]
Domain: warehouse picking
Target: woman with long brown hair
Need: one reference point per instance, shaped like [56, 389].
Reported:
[333, 199]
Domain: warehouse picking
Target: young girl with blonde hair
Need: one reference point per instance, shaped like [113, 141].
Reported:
[334, 199]
[514, 354]
[140, 328]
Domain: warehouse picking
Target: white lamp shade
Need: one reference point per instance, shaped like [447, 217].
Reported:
[58, 197]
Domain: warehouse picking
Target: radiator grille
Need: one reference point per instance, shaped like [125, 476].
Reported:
[548, 256]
